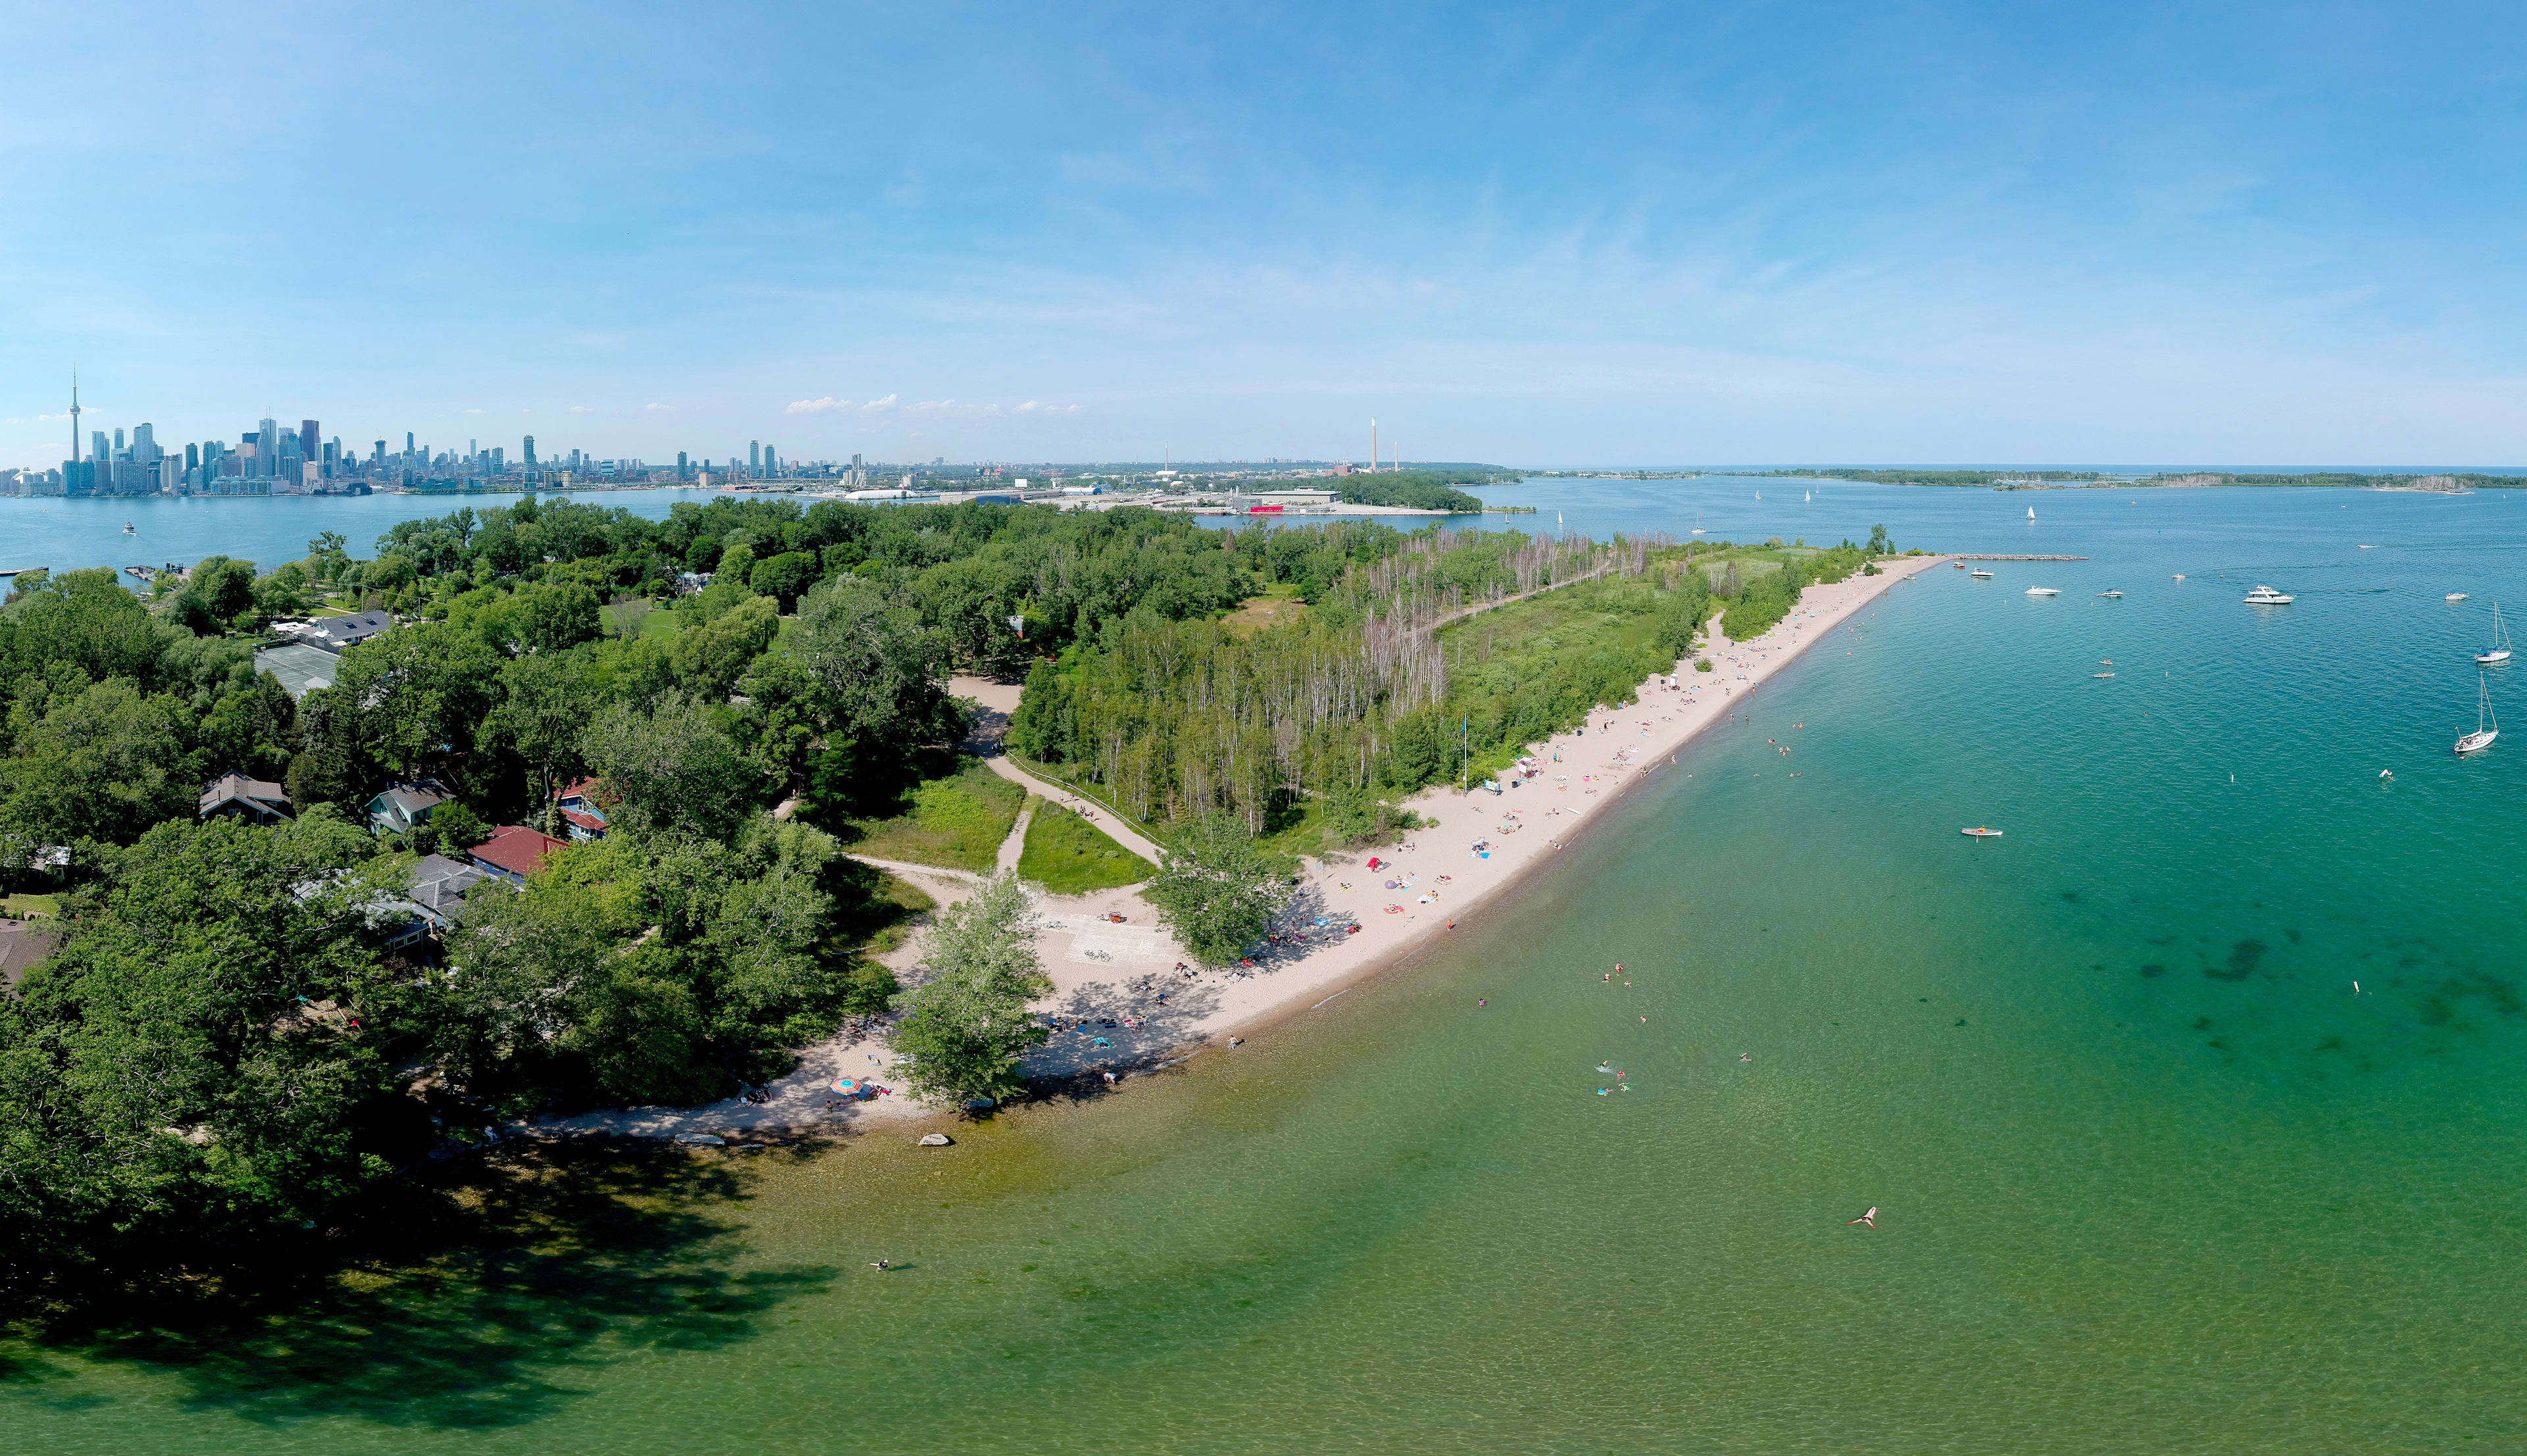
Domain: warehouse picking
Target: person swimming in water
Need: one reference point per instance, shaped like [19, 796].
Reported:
[1745, 1056]
[1870, 1218]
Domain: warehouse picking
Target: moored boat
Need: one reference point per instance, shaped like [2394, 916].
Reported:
[2265, 597]
[1979, 833]
[2486, 723]
[2498, 651]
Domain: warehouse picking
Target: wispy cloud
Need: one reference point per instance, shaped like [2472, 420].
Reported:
[474, 412]
[656, 408]
[830, 405]
[950, 409]
[582, 410]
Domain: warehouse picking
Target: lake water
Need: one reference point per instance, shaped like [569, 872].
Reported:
[66, 534]
[2150, 1176]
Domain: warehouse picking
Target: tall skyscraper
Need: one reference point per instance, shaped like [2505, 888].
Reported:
[307, 445]
[407, 442]
[754, 456]
[530, 453]
[97, 448]
[681, 470]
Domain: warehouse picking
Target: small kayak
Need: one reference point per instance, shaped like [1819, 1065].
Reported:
[2102, 674]
[1980, 833]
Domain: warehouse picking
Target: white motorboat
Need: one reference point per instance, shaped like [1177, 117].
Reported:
[2265, 597]
[1979, 574]
[2498, 651]
[2486, 725]
[2456, 597]
[2109, 593]
[2045, 591]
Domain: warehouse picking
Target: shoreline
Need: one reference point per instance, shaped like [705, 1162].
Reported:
[1808, 623]
[1438, 877]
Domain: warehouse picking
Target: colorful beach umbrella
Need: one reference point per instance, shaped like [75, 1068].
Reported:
[846, 1085]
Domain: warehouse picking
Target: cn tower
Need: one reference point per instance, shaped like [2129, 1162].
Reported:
[74, 413]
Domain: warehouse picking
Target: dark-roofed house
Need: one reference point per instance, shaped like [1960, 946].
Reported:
[400, 807]
[514, 852]
[24, 945]
[239, 797]
[340, 633]
[582, 816]
[436, 904]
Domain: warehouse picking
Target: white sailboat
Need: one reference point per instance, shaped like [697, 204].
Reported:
[2031, 513]
[2498, 651]
[2486, 725]
[1811, 495]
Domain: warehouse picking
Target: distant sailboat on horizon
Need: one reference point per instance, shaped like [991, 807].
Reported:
[2031, 513]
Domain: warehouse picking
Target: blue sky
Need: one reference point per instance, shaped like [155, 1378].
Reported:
[1533, 234]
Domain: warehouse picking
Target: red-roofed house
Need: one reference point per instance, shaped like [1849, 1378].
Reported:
[582, 816]
[514, 852]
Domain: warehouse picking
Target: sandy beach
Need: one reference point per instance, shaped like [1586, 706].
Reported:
[1120, 979]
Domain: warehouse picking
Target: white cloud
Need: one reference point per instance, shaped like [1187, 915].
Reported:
[582, 410]
[474, 412]
[1038, 406]
[657, 408]
[830, 405]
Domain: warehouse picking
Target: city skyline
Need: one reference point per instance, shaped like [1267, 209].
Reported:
[1633, 236]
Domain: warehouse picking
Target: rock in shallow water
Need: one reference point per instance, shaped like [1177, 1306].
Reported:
[937, 1139]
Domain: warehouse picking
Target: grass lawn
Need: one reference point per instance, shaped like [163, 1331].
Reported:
[893, 908]
[626, 617]
[1069, 856]
[1280, 603]
[24, 906]
[957, 822]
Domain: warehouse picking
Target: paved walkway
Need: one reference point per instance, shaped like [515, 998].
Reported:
[1000, 700]
[901, 867]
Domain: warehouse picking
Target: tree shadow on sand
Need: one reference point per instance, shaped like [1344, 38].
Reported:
[465, 1305]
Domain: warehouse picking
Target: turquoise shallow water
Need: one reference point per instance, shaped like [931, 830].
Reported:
[2151, 1176]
